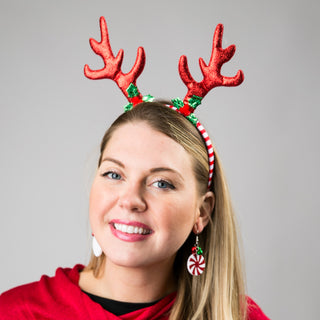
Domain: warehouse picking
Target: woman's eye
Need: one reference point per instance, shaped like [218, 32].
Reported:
[162, 184]
[112, 175]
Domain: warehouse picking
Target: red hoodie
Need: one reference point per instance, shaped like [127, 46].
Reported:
[60, 297]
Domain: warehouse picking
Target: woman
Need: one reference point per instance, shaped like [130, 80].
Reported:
[151, 176]
[157, 162]
[156, 214]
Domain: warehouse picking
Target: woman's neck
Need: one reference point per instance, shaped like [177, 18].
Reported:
[130, 284]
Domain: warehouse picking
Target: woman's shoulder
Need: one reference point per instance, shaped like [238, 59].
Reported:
[15, 303]
[33, 298]
[254, 312]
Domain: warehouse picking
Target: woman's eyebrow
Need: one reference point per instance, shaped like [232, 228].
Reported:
[153, 170]
[160, 169]
[119, 163]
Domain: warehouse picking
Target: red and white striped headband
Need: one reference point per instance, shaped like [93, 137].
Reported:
[196, 90]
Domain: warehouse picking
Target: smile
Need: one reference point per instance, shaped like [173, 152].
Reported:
[130, 229]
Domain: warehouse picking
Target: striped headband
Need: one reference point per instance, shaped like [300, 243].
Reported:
[196, 90]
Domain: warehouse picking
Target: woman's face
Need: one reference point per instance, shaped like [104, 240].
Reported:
[144, 200]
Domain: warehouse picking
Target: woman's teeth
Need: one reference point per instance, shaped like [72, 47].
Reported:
[130, 229]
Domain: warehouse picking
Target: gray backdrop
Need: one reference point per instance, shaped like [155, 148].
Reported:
[52, 119]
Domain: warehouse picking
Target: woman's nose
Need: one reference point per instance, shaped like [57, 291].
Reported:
[132, 198]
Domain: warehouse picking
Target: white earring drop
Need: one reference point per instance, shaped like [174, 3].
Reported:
[97, 251]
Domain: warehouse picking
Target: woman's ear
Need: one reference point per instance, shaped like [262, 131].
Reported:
[205, 209]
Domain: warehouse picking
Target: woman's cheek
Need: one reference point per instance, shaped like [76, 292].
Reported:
[95, 201]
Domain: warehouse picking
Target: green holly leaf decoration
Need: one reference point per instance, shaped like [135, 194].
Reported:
[178, 103]
[132, 91]
[148, 98]
[194, 101]
[128, 107]
[192, 118]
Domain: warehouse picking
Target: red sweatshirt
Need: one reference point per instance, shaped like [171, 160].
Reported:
[60, 297]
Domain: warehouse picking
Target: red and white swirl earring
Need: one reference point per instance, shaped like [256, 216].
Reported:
[97, 251]
[196, 263]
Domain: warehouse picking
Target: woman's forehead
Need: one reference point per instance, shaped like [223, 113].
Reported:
[139, 142]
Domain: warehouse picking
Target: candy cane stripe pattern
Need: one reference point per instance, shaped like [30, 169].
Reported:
[196, 264]
[209, 146]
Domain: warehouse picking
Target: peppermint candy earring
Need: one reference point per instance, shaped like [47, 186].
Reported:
[196, 263]
[97, 251]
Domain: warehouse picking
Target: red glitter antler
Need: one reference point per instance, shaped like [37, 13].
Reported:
[112, 66]
[211, 74]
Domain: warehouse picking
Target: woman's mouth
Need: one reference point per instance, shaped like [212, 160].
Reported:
[131, 229]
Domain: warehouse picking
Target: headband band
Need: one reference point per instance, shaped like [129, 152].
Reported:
[196, 90]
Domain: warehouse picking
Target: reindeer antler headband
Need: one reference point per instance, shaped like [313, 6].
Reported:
[196, 90]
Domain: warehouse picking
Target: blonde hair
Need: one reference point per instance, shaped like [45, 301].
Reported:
[219, 293]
